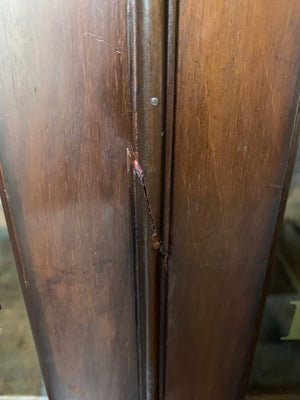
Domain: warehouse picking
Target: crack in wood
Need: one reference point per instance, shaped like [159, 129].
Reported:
[132, 159]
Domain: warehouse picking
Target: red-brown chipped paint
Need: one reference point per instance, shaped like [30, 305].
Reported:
[76, 389]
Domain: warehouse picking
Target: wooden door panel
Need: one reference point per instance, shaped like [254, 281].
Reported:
[63, 138]
[236, 98]
[232, 78]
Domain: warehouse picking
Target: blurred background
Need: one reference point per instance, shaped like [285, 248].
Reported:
[276, 367]
[20, 372]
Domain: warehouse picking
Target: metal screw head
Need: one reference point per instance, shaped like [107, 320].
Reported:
[154, 101]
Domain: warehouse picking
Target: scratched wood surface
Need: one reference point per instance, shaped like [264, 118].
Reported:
[147, 49]
[236, 99]
[63, 137]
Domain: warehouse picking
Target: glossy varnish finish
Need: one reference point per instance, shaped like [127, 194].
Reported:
[236, 99]
[147, 59]
[114, 318]
[65, 127]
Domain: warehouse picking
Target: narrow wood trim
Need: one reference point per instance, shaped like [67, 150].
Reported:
[146, 32]
[132, 70]
[171, 71]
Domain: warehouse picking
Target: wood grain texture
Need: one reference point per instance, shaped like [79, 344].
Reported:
[63, 138]
[147, 48]
[236, 99]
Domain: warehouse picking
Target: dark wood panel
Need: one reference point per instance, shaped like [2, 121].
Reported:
[63, 137]
[147, 50]
[236, 99]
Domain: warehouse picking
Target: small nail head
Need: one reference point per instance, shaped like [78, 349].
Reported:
[154, 101]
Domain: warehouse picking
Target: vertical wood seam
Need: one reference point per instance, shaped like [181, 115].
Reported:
[171, 70]
[146, 32]
[131, 40]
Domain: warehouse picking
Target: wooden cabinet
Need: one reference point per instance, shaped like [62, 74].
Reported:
[146, 150]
